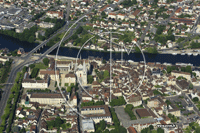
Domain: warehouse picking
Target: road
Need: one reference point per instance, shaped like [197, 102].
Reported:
[191, 102]
[79, 107]
[144, 34]
[39, 121]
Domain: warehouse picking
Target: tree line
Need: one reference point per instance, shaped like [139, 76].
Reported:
[117, 102]
[129, 109]
[9, 111]
[28, 35]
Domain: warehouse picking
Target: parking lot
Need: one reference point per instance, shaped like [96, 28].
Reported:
[182, 103]
[121, 114]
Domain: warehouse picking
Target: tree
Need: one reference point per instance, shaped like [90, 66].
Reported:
[151, 127]
[188, 69]
[24, 69]
[34, 73]
[106, 131]
[128, 109]
[190, 86]
[79, 30]
[146, 130]
[90, 79]
[102, 124]
[105, 48]
[197, 130]
[23, 130]
[137, 50]
[103, 14]
[172, 117]
[58, 122]
[152, 50]
[168, 103]
[38, 78]
[196, 99]
[63, 89]
[183, 69]
[118, 102]
[104, 61]
[31, 39]
[168, 69]
[122, 129]
[46, 61]
[32, 66]
[160, 130]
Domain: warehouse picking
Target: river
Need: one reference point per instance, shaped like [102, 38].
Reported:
[12, 44]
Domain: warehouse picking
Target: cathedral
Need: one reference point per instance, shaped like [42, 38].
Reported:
[80, 68]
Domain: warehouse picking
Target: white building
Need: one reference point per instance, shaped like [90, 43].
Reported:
[97, 113]
[31, 83]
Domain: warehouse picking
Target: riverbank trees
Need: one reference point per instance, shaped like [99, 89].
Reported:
[28, 35]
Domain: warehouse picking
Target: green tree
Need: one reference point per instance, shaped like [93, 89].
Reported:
[188, 69]
[46, 61]
[160, 130]
[31, 39]
[38, 78]
[90, 79]
[151, 127]
[183, 69]
[172, 117]
[106, 131]
[105, 48]
[32, 66]
[197, 130]
[168, 103]
[196, 99]
[34, 72]
[137, 50]
[146, 130]
[24, 69]
[152, 50]
[168, 69]
[79, 30]
[58, 122]
[118, 102]
[128, 109]
[23, 130]
[122, 129]
[191, 86]
[102, 124]
[103, 14]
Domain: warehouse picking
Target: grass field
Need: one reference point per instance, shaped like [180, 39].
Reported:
[40, 66]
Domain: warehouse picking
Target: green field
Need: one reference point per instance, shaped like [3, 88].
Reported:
[40, 66]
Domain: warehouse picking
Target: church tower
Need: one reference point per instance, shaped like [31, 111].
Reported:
[84, 78]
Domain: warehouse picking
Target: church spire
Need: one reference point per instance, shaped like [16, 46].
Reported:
[84, 66]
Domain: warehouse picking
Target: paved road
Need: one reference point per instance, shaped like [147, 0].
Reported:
[79, 107]
[68, 10]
